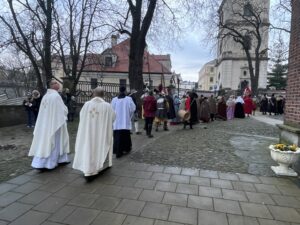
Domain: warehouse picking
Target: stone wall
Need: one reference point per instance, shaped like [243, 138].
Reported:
[292, 116]
[12, 115]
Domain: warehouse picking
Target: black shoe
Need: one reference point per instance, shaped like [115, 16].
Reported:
[137, 133]
[166, 129]
[150, 136]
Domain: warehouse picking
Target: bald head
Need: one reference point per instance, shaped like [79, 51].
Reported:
[98, 92]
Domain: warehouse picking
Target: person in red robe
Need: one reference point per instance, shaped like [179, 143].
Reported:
[248, 106]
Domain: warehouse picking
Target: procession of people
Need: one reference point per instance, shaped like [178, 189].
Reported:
[106, 128]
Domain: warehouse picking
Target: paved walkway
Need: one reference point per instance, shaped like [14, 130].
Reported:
[181, 188]
[271, 120]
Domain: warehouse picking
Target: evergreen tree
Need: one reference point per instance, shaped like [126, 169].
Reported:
[277, 78]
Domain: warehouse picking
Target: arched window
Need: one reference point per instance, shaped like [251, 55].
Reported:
[248, 9]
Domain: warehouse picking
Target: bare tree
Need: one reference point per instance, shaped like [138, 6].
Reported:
[29, 24]
[244, 24]
[281, 16]
[79, 26]
[157, 18]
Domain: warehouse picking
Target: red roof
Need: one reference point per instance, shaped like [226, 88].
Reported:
[121, 50]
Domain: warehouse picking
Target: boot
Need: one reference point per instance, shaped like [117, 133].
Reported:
[149, 131]
[166, 126]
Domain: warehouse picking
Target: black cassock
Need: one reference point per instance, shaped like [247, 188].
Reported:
[239, 110]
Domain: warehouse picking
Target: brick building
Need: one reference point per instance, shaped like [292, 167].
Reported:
[290, 130]
[292, 116]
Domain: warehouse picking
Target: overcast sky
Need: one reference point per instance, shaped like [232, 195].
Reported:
[189, 58]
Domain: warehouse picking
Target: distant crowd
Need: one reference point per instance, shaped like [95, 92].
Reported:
[105, 128]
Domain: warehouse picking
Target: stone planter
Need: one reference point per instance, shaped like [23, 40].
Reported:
[284, 159]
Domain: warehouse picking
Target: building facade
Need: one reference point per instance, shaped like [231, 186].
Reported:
[207, 76]
[111, 66]
[232, 64]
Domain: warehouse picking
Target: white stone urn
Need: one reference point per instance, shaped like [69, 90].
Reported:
[284, 159]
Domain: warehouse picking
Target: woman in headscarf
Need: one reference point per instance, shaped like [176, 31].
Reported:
[204, 110]
[239, 108]
[230, 107]
[222, 108]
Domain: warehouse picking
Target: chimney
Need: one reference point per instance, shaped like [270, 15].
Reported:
[114, 40]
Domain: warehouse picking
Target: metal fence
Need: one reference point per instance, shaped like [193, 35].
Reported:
[85, 90]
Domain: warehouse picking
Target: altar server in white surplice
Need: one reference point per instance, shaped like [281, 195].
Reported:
[50, 144]
[95, 135]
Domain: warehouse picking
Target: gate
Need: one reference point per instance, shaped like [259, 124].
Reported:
[84, 90]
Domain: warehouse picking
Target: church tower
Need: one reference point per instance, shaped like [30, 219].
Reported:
[244, 24]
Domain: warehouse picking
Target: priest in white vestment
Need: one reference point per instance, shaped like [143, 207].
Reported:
[124, 108]
[50, 144]
[94, 140]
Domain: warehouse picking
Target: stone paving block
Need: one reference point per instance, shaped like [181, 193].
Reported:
[271, 222]
[81, 216]
[221, 183]
[129, 193]
[234, 195]
[165, 186]
[161, 176]
[209, 174]
[161, 222]
[242, 186]
[210, 192]
[180, 179]
[13, 211]
[53, 186]
[228, 176]
[20, 179]
[133, 220]
[27, 187]
[227, 206]
[84, 200]
[275, 181]
[241, 220]
[124, 172]
[248, 178]
[172, 170]
[42, 178]
[261, 198]
[51, 204]
[146, 184]
[126, 181]
[35, 197]
[106, 203]
[68, 192]
[187, 189]
[266, 188]
[287, 201]
[200, 181]
[66, 177]
[3, 223]
[106, 179]
[156, 211]
[109, 190]
[292, 190]
[155, 168]
[5, 187]
[9, 197]
[50, 223]
[211, 218]
[284, 214]
[200, 202]
[32, 172]
[62, 213]
[131, 207]
[256, 210]
[31, 218]
[183, 215]
[190, 172]
[137, 166]
[143, 174]
[109, 218]
[175, 199]
[151, 196]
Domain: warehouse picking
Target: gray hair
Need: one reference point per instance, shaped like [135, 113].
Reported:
[98, 92]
